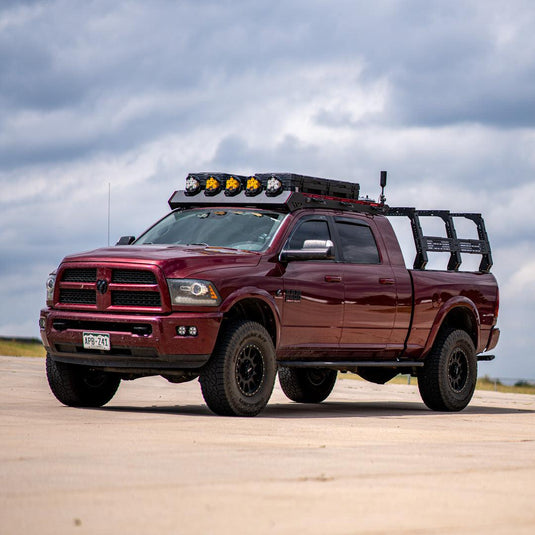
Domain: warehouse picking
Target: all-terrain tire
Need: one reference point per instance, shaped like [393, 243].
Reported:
[448, 379]
[80, 386]
[238, 380]
[307, 385]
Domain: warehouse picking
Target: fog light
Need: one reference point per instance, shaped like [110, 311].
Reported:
[192, 331]
[182, 330]
[42, 323]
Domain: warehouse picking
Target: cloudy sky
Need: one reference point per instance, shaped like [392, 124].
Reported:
[132, 95]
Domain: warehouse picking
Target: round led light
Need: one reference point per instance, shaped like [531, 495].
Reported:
[192, 331]
[182, 330]
[193, 186]
[232, 186]
[213, 186]
[273, 186]
[254, 186]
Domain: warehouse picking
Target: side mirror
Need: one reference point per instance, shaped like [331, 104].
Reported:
[126, 240]
[312, 250]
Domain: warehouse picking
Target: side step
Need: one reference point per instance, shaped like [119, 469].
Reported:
[485, 358]
[351, 364]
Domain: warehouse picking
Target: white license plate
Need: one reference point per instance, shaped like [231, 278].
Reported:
[96, 341]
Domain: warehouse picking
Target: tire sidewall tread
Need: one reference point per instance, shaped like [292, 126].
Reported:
[218, 379]
[433, 381]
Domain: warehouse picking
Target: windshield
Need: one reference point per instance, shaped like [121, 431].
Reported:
[251, 230]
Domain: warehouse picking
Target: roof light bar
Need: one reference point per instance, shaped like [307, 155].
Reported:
[273, 184]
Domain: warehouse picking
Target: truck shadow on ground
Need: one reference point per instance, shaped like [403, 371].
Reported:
[335, 409]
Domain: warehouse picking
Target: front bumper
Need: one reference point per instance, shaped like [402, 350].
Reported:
[137, 341]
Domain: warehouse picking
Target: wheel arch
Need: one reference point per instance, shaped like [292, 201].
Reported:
[254, 308]
[459, 313]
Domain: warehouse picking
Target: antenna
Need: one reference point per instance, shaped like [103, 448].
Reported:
[109, 210]
[382, 198]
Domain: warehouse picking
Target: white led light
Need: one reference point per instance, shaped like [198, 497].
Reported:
[273, 186]
[192, 331]
[193, 186]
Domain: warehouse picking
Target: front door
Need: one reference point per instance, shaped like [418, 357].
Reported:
[312, 310]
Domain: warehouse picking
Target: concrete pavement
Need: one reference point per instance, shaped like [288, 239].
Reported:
[371, 459]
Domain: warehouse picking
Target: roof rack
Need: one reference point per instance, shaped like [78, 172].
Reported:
[451, 244]
[286, 191]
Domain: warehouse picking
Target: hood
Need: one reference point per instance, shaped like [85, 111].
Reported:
[173, 260]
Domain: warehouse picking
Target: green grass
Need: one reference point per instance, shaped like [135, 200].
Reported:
[14, 348]
[483, 383]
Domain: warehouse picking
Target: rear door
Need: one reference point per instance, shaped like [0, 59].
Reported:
[370, 297]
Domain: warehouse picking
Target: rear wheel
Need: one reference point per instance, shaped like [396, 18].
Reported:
[307, 385]
[448, 379]
[239, 378]
[80, 386]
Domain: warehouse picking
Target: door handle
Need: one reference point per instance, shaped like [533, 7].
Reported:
[333, 278]
[387, 281]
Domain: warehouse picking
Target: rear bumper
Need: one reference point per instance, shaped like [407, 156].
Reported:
[493, 339]
[137, 341]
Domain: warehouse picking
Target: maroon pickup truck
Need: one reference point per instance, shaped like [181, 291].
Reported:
[247, 276]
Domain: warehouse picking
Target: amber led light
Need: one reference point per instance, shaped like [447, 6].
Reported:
[232, 186]
[213, 186]
[254, 187]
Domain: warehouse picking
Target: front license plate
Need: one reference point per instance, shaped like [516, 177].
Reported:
[96, 341]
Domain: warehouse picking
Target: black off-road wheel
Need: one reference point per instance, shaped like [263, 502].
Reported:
[448, 379]
[307, 385]
[80, 386]
[239, 378]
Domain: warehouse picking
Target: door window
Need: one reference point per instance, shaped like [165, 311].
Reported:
[309, 230]
[357, 243]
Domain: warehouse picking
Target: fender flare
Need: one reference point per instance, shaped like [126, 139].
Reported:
[455, 303]
[249, 292]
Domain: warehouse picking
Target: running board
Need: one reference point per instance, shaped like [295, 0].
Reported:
[351, 364]
[485, 358]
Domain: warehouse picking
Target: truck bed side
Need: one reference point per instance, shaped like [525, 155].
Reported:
[462, 299]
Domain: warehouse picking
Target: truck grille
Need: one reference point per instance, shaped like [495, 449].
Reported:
[80, 275]
[135, 299]
[81, 297]
[136, 288]
[133, 276]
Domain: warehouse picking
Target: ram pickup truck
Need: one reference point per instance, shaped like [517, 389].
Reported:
[250, 276]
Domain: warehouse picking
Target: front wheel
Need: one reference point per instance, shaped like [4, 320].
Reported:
[448, 379]
[239, 378]
[307, 385]
[80, 386]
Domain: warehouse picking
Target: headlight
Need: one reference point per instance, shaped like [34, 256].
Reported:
[193, 292]
[50, 283]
